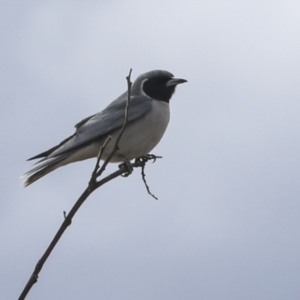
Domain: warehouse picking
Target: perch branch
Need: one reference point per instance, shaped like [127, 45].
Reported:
[92, 186]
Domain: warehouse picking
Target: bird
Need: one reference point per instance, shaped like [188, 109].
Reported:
[148, 118]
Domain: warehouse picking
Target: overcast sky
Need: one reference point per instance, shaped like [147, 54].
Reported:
[226, 225]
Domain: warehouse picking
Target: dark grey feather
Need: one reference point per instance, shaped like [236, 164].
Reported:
[105, 122]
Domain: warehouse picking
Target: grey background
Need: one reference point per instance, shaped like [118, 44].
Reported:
[226, 225]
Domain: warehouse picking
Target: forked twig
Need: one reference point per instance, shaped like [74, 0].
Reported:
[92, 186]
[97, 165]
[129, 84]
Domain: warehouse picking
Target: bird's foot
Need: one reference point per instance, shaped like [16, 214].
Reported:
[147, 157]
[127, 166]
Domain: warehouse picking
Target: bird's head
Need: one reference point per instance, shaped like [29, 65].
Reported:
[159, 85]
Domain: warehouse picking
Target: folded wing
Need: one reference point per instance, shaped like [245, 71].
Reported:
[101, 124]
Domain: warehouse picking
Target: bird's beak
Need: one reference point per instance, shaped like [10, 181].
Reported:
[175, 81]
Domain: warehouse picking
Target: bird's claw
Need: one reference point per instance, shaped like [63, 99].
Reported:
[128, 168]
[152, 157]
[147, 157]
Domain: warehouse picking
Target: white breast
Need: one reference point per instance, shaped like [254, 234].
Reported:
[143, 135]
[138, 139]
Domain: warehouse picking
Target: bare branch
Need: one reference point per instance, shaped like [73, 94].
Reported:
[145, 182]
[92, 186]
[129, 84]
[144, 160]
[97, 165]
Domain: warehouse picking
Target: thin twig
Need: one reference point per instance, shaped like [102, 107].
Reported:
[67, 221]
[92, 186]
[129, 84]
[97, 165]
[144, 160]
[145, 182]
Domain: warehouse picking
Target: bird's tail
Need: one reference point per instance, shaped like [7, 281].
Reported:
[45, 166]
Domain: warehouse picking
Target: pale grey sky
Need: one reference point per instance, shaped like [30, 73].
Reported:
[226, 225]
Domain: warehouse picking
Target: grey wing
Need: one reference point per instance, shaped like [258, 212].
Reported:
[103, 123]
